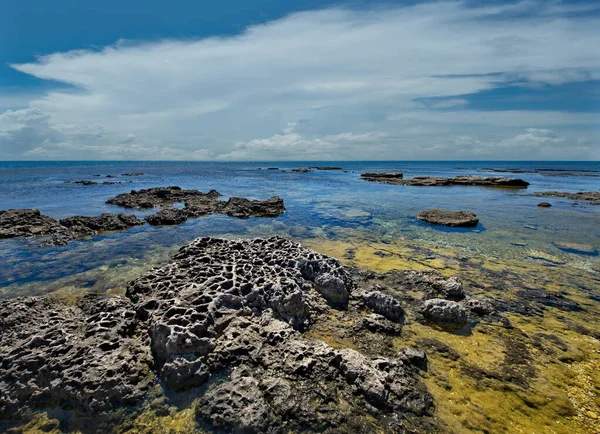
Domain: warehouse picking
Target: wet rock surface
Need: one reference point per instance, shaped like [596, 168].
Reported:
[442, 217]
[544, 204]
[27, 223]
[151, 197]
[302, 170]
[579, 249]
[592, 197]
[432, 181]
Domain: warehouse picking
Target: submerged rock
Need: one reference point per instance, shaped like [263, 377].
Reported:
[592, 197]
[27, 223]
[449, 218]
[445, 312]
[302, 170]
[485, 181]
[168, 216]
[326, 167]
[580, 249]
[133, 174]
[544, 204]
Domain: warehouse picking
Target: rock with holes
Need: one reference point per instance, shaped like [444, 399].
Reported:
[445, 312]
[384, 304]
[90, 358]
[27, 223]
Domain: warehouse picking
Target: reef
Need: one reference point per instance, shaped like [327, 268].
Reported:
[433, 181]
[592, 197]
[449, 218]
[326, 167]
[302, 170]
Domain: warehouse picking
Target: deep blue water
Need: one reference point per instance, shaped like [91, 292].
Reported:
[327, 204]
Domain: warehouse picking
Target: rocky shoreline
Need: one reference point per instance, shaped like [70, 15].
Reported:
[231, 319]
[591, 197]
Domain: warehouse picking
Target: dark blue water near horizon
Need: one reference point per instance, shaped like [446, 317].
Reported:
[320, 204]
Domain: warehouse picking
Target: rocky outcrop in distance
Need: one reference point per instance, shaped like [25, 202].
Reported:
[449, 218]
[27, 223]
[432, 181]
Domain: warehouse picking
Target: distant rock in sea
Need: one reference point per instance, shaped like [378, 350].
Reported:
[378, 175]
[592, 197]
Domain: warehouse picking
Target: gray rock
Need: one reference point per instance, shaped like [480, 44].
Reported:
[168, 216]
[27, 223]
[484, 181]
[481, 306]
[413, 356]
[445, 312]
[384, 304]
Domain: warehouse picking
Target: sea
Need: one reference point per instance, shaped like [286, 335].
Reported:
[320, 205]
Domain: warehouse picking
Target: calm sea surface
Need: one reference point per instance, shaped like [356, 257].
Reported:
[321, 204]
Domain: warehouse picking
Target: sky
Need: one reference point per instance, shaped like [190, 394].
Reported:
[267, 80]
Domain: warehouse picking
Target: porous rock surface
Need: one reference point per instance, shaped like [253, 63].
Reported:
[230, 315]
[449, 218]
[82, 226]
[91, 357]
[433, 181]
[445, 312]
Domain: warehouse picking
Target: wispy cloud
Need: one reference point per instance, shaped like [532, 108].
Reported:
[302, 86]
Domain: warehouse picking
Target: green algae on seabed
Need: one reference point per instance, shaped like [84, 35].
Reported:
[540, 375]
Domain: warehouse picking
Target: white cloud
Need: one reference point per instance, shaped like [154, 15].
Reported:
[292, 88]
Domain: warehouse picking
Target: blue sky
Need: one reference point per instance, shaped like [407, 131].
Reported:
[255, 80]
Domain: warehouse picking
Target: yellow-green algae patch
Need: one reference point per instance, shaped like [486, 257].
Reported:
[539, 375]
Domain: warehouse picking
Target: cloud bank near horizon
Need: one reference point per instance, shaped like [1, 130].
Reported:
[389, 83]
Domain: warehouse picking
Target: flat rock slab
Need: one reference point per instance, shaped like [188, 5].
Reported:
[580, 249]
[432, 181]
[449, 218]
[592, 197]
[379, 175]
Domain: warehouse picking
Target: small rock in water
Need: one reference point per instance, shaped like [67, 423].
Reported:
[449, 218]
[544, 204]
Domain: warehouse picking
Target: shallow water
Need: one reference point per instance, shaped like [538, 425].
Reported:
[371, 226]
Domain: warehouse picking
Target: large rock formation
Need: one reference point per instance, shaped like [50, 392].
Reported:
[151, 197]
[374, 176]
[83, 226]
[433, 181]
[449, 218]
[232, 319]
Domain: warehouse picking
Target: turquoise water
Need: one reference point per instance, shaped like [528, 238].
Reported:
[320, 204]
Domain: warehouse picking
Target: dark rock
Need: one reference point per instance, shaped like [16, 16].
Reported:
[384, 304]
[378, 175]
[449, 218]
[82, 182]
[83, 226]
[378, 324]
[445, 312]
[544, 204]
[592, 197]
[134, 174]
[168, 216]
[27, 223]
[244, 208]
[414, 357]
[481, 306]
[302, 170]
[326, 167]
[151, 197]
[485, 181]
